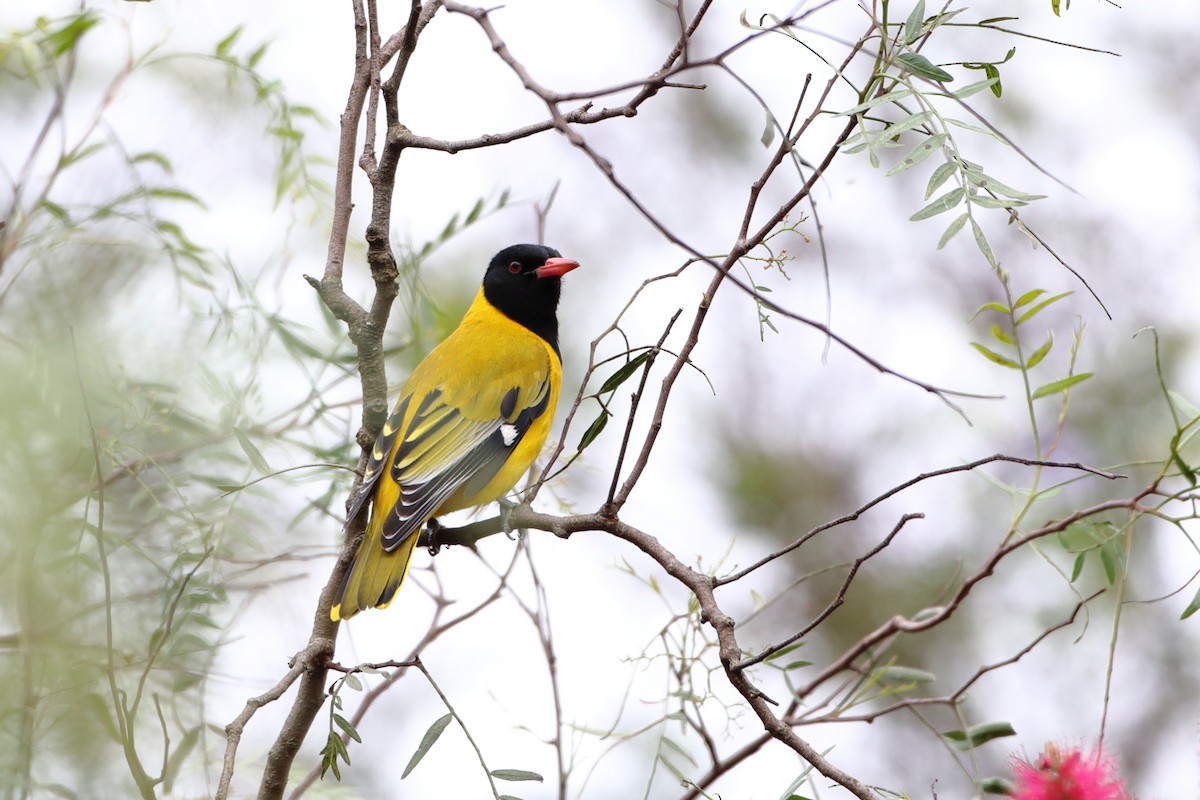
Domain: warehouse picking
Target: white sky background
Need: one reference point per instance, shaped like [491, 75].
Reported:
[1121, 131]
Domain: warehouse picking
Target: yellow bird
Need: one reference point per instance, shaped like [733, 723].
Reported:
[470, 420]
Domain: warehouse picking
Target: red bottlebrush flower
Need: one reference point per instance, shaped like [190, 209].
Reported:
[1068, 774]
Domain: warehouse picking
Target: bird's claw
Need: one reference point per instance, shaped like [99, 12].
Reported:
[434, 528]
[506, 509]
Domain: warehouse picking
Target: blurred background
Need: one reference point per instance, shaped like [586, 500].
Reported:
[156, 331]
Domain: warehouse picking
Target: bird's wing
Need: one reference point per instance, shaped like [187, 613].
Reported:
[436, 447]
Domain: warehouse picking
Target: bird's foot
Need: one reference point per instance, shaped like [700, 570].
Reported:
[506, 509]
[433, 527]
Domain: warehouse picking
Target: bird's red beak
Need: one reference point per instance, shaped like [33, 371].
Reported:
[555, 268]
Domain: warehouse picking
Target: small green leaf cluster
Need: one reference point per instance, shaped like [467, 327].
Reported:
[893, 86]
[1010, 353]
[341, 731]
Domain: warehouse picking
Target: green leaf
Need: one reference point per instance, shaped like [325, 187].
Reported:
[1028, 297]
[1001, 335]
[920, 65]
[1077, 567]
[623, 374]
[353, 682]
[940, 176]
[1108, 561]
[987, 201]
[427, 741]
[995, 358]
[1031, 312]
[975, 128]
[516, 775]
[256, 457]
[768, 134]
[914, 23]
[906, 124]
[993, 306]
[1040, 353]
[951, 231]
[474, 213]
[593, 430]
[975, 88]
[944, 203]
[347, 728]
[226, 44]
[993, 73]
[988, 182]
[977, 735]
[897, 674]
[784, 651]
[57, 211]
[1054, 387]
[982, 243]
[102, 711]
[67, 37]
[1002, 786]
[919, 153]
[886, 97]
[1192, 607]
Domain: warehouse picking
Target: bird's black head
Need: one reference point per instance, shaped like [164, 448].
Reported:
[523, 283]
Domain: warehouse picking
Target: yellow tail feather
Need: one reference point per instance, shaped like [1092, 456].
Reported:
[374, 577]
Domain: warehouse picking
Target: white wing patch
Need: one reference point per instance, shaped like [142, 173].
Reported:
[509, 433]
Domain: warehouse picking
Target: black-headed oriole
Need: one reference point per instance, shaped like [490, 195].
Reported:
[470, 420]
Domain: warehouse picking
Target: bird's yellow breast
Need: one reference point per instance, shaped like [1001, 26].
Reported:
[486, 357]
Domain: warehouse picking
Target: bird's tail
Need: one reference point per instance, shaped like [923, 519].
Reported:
[375, 576]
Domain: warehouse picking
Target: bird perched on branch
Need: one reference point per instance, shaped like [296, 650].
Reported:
[470, 420]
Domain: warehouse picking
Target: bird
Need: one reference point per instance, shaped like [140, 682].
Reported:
[470, 420]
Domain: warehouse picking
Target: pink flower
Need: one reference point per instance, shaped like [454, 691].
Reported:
[1067, 774]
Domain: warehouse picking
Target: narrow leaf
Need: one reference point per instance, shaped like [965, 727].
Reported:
[347, 728]
[1040, 353]
[886, 97]
[1028, 297]
[256, 457]
[427, 741]
[993, 306]
[593, 430]
[784, 650]
[951, 231]
[898, 674]
[975, 128]
[906, 124]
[516, 775]
[475, 211]
[768, 134]
[944, 203]
[1077, 568]
[920, 65]
[1031, 312]
[940, 176]
[1002, 336]
[987, 201]
[913, 25]
[919, 153]
[1059, 386]
[994, 357]
[982, 243]
[977, 735]
[226, 44]
[988, 182]
[1192, 607]
[975, 88]
[623, 374]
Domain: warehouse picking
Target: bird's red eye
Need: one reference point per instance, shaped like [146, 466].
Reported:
[514, 267]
